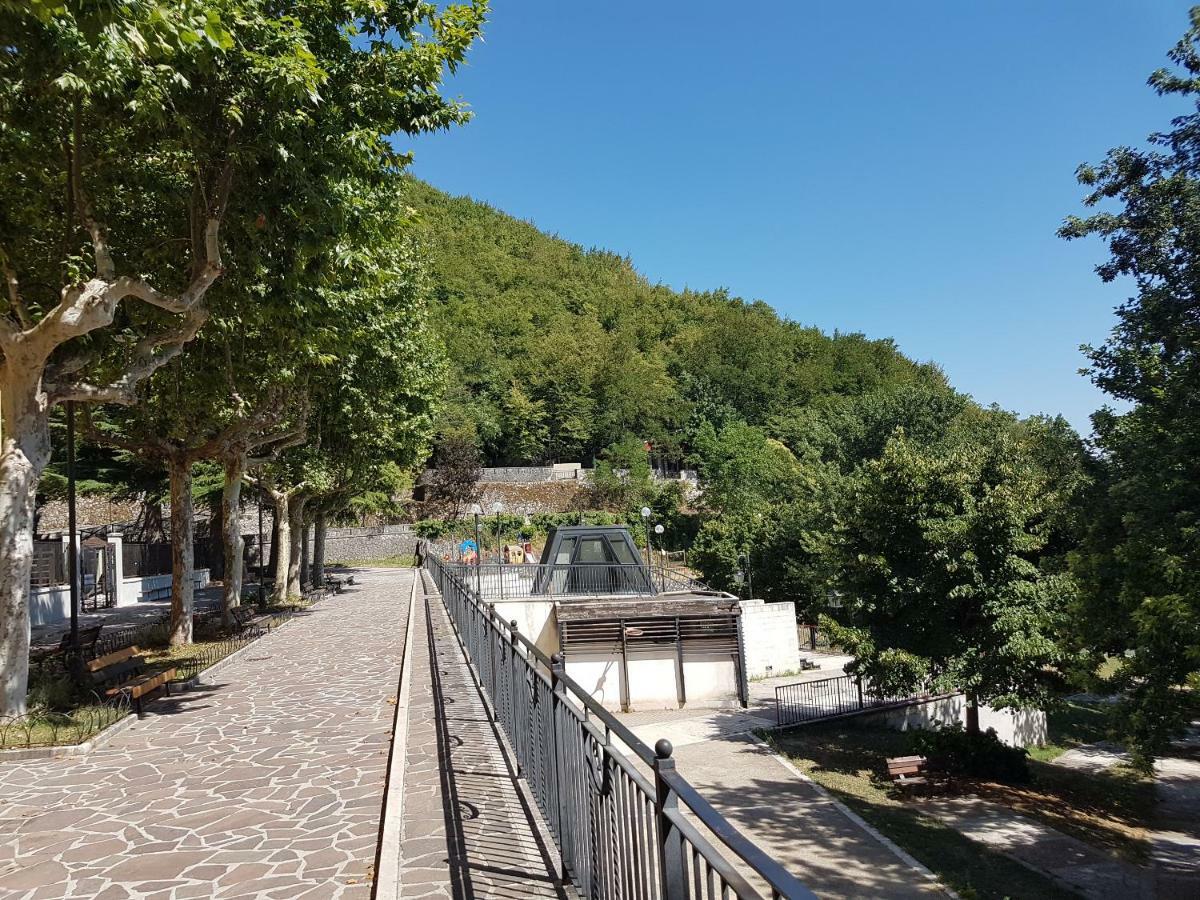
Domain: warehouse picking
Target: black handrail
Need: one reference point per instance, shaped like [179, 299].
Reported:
[618, 834]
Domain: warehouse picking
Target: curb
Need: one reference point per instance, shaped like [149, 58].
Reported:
[387, 855]
[899, 852]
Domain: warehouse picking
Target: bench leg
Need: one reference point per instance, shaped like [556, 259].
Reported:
[137, 705]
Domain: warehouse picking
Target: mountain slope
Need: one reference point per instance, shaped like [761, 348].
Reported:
[556, 352]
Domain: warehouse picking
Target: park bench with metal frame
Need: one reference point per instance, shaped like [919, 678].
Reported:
[124, 673]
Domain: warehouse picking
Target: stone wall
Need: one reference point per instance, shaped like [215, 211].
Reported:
[356, 544]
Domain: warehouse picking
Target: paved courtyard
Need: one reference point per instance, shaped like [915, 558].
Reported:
[267, 782]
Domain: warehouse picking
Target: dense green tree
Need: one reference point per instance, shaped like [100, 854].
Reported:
[129, 134]
[938, 557]
[1141, 568]
[600, 353]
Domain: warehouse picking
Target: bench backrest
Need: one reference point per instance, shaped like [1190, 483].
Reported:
[87, 637]
[906, 765]
[242, 614]
[111, 659]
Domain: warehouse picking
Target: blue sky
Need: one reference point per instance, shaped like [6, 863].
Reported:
[892, 168]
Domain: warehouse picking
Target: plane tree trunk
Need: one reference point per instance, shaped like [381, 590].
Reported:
[231, 536]
[26, 451]
[318, 563]
[295, 516]
[183, 556]
[281, 545]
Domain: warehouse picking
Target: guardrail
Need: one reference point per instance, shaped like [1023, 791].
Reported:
[620, 834]
[826, 698]
[514, 581]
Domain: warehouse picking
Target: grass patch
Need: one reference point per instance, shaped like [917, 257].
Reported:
[47, 728]
[400, 561]
[849, 762]
[1072, 725]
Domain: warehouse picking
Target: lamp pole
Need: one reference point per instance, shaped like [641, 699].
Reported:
[646, 527]
[497, 508]
[477, 511]
[72, 548]
[659, 529]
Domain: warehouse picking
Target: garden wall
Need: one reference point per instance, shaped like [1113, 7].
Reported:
[354, 544]
[1017, 728]
[772, 646]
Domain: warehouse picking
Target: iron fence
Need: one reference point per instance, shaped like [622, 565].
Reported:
[826, 698]
[42, 728]
[620, 833]
[512, 581]
[49, 564]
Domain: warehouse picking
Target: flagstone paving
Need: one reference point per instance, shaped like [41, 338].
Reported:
[267, 783]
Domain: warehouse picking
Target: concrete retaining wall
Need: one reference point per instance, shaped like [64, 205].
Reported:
[769, 634]
[1017, 728]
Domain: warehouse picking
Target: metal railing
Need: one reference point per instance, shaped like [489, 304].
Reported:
[827, 698]
[620, 833]
[515, 581]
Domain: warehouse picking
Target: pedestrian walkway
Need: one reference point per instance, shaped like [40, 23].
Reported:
[467, 828]
[776, 808]
[266, 783]
[1082, 868]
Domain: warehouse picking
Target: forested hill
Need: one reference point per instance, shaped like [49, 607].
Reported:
[557, 352]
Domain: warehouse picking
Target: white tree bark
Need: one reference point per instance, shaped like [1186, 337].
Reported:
[295, 515]
[183, 555]
[26, 450]
[281, 544]
[31, 384]
[231, 535]
[318, 564]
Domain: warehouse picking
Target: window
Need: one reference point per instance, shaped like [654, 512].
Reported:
[565, 548]
[594, 550]
[622, 552]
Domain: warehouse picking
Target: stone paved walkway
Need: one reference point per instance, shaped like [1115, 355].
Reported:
[267, 783]
[466, 830]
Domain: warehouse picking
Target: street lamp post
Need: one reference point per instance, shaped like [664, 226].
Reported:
[646, 527]
[72, 547]
[744, 562]
[498, 508]
[477, 511]
[659, 529]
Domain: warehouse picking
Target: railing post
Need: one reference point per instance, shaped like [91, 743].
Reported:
[670, 842]
[858, 682]
[558, 690]
[491, 643]
[513, 704]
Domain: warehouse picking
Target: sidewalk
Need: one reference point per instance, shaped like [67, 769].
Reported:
[466, 830]
[267, 783]
[782, 813]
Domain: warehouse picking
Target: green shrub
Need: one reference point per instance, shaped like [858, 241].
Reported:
[950, 749]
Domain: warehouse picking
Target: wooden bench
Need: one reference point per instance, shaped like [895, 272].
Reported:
[908, 772]
[334, 583]
[85, 647]
[124, 672]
